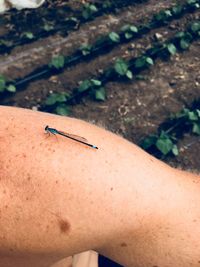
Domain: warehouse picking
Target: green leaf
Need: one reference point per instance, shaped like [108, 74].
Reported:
[198, 112]
[57, 62]
[171, 48]
[149, 61]
[93, 8]
[175, 150]
[192, 116]
[107, 4]
[129, 30]
[168, 13]
[129, 74]
[180, 34]
[121, 67]
[164, 145]
[72, 20]
[48, 27]
[196, 128]
[184, 44]
[96, 82]
[86, 49]
[51, 100]
[63, 110]
[140, 62]
[191, 1]
[195, 27]
[159, 17]
[28, 35]
[128, 35]
[2, 83]
[155, 50]
[133, 29]
[6, 43]
[125, 28]
[84, 86]
[11, 88]
[86, 14]
[88, 11]
[100, 94]
[185, 39]
[143, 61]
[56, 98]
[114, 37]
[162, 16]
[177, 10]
[149, 141]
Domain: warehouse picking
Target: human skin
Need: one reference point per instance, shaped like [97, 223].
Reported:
[60, 197]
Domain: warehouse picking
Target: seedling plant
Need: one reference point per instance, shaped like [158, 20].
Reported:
[165, 141]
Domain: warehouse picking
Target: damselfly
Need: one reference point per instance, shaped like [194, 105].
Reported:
[70, 136]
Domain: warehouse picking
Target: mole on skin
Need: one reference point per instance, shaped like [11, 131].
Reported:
[64, 226]
[123, 244]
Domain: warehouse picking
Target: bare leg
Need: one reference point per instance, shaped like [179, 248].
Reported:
[62, 198]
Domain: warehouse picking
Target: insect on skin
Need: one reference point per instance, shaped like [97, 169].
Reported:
[76, 138]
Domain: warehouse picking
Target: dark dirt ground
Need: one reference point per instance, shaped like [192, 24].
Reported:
[133, 109]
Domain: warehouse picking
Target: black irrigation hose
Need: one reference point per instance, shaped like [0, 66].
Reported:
[67, 25]
[110, 74]
[98, 49]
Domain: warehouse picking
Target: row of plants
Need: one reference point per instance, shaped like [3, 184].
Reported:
[127, 33]
[46, 25]
[123, 70]
[164, 142]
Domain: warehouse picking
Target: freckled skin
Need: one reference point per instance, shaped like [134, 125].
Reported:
[153, 208]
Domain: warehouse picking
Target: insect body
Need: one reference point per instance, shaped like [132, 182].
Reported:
[70, 136]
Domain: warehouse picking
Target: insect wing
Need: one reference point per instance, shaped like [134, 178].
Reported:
[75, 137]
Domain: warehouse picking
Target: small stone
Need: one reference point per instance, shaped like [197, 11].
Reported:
[171, 91]
[172, 27]
[93, 28]
[138, 102]
[54, 79]
[138, 46]
[158, 36]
